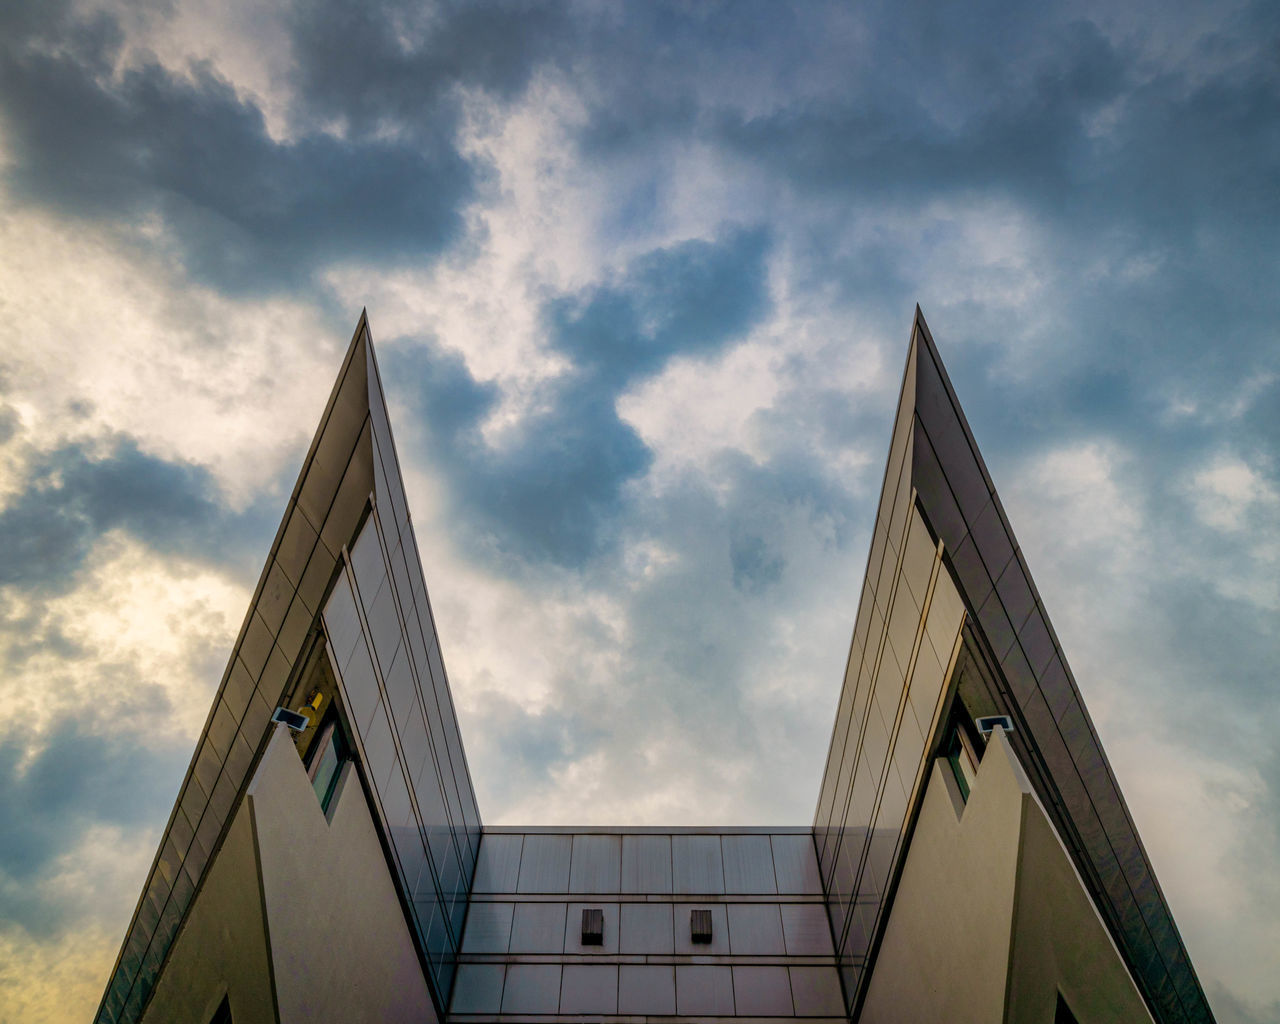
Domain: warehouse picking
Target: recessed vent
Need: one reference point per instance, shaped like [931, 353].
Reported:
[700, 926]
[989, 722]
[292, 719]
[592, 926]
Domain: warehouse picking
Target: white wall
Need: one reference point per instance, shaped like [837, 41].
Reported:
[990, 920]
[222, 947]
[340, 945]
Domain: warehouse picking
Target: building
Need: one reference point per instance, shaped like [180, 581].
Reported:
[970, 858]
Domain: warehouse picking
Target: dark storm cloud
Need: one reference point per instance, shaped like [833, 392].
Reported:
[556, 491]
[1115, 158]
[74, 494]
[400, 63]
[82, 772]
[546, 495]
[247, 213]
[1111, 160]
[686, 300]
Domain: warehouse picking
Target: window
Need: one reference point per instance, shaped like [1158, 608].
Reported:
[325, 759]
[962, 749]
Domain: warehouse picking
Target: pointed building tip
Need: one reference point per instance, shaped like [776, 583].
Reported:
[361, 333]
[923, 327]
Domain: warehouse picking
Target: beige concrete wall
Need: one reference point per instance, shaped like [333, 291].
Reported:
[1060, 943]
[341, 948]
[946, 948]
[990, 920]
[222, 948]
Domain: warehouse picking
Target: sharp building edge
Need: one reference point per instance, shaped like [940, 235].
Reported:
[987, 649]
[970, 858]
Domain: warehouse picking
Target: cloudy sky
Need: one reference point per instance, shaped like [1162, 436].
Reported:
[641, 280]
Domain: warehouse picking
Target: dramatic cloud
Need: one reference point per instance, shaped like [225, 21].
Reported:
[640, 279]
[551, 490]
[73, 496]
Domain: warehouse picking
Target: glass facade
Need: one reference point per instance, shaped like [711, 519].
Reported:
[937, 492]
[382, 638]
[398, 704]
[888, 715]
[386, 656]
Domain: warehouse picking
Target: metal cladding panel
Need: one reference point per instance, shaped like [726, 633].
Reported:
[704, 989]
[816, 991]
[646, 928]
[805, 930]
[544, 864]
[748, 864]
[595, 863]
[697, 865]
[762, 991]
[648, 989]
[589, 988]
[795, 864]
[478, 988]
[531, 988]
[755, 929]
[498, 863]
[646, 864]
[867, 791]
[538, 928]
[488, 928]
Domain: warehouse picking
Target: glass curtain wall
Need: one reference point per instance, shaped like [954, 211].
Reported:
[908, 621]
[386, 653]
[888, 723]
[387, 658]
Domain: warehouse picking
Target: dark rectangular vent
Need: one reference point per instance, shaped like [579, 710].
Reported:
[700, 926]
[592, 926]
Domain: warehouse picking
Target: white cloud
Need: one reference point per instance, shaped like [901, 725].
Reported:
[1227, 905]
[148, 632]
[98, 339]
[244, 42]
[59, 981]
[1226, 491]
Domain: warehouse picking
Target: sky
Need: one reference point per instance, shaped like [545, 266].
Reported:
[641, 280]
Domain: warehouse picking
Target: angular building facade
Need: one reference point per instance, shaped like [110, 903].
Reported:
[970, 858]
